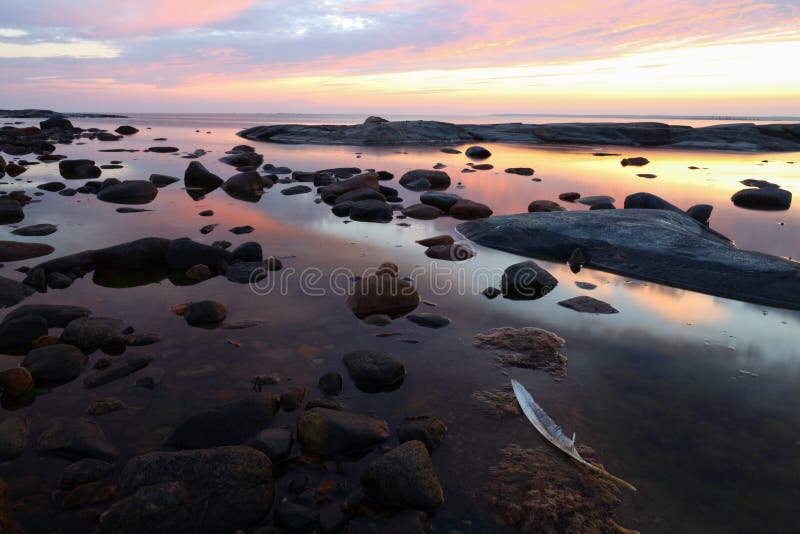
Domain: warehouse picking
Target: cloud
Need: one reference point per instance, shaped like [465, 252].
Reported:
[72, 49]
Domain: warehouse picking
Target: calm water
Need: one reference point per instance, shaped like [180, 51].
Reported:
[656, 390]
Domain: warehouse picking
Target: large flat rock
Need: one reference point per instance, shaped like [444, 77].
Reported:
[738, 136]
[660, 246]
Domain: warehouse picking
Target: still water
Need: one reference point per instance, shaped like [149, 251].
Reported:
[656, 390]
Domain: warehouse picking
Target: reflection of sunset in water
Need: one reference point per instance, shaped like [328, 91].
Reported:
[676, 305]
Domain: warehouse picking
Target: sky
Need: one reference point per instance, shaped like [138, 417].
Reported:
[682, 57]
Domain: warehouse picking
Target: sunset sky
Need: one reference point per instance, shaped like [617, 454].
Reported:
[698, 57]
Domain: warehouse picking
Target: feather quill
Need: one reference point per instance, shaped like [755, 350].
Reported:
[553, 433]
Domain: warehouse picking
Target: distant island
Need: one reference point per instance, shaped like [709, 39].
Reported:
[49, 114]
[784, 137]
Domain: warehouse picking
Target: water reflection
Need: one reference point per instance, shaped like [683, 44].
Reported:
[655, 389]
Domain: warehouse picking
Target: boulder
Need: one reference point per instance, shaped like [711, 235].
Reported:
[129, 192]
[17, 334]
[56, 315]
[199, 178]
[245, 186]
[84, 471]
[88, 333]
[183, 253]
[78, 169]
[331, 192]
[636, 162]
[162, 180]
[249, 251]
[15, 382]
[423, 212]
[362, 193]
[296, 190]
[17, 250]
[331, 383]
[404, 477]
[435, 179]
[141, 254]
[700, 213]
[655, 245]
[587, 304]
[382, 294]
[126, 130]
[649, 201]
[371, 211]
[522, 171]
[477, 152]
[436, 240]
[118, 368]
[467, 210]
[544, 206]
[205, 312]
[526, 281]
[276, 443]
[76, 439]
[208, 490]
[763, 198]
[56, 123]
[452, 252]
[374, 120]
[243, 159]
[36, 230]
[373, 371]
[439, 199]
[55, 364]
[13, 437]
[229, 424]
[338, 434]
[425, 428]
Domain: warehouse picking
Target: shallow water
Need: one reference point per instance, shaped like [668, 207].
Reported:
[656, 390]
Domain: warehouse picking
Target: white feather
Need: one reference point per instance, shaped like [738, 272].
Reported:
[553, 433]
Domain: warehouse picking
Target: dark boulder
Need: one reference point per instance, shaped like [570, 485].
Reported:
[404, 477]
[339, 434]
[78, 169]
[649, 201]
[436, 179]
[371, 211]
[373, 371]
[246, 186]
[18, 333]
[467, 210]
[55, 364]
[763, 198]
[162, 180]
[145, 253]
[526, 281]
[477, 152]
[129, 192]
[126, 130]
[183, 253]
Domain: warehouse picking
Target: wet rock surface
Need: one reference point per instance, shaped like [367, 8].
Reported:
[404, 477]
[528, 347]
[340, 434]
[656, 245]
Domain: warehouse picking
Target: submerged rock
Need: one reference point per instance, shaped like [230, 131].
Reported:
[529, 348]
[13, 437]
[119, 368]
[274, 442]
[425, 428]
[205, 312]
[586, 304]
[17, 250]
[229, 424]
[55, 364]
[339, 434]
[83, 472]
[372, 371]
[207, 490]
[88, 333]
[404, 477]
[76, 438]
[56, 315]
[656, 245]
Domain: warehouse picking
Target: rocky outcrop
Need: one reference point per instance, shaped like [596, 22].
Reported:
[655, 245]
[740, 136]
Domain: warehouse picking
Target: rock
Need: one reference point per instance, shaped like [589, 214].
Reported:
[527, 348]
[436, 179]
[162, 180]
[56, 315]
[75, 439]
[274, 442]
[36, 230]
[342, 209]
[647, 175]
[429, 320]
[12, 292]
[119, 368]
[603, 206]
[382, 294]
[16, 250]
[13, 437]
[544, 206]
[249, 251]
[422, 211]
[596, 200]
[232, 423]
[492, 293]
[104, 405]
[330, 384]
[55, 364]
[424, 428]
[331, 192]
[56, 123]
[700, 213]
[15, 382]
[198, 178]
[10, 211]
[295, 517]
[78, 169]
[448, 150]
[243, 159]
[636, 162]
[763, 198]
[437, 240]
[205, 312]
[467, 210]
[656, 245]
[183, 253]
[246, 186]
[650, 202]
[162, 149]
[374, 120]
[126, 130]
[296, 190]
[586, 285]
[239, 230]
[373, 371]
[477, 152]
[129, 192]
[88, 333]
[586, 304]
[439, 199]
[17, 334]
[404, 477]
[36, 280]
[371, 211]
[207, 229]
[52, 187]
[292, 398]
[83, 472]
[362, 193]
[483, 167]
[213, 490]
[522, 171]
[526, 281]
[146, 253]
[339, 434]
